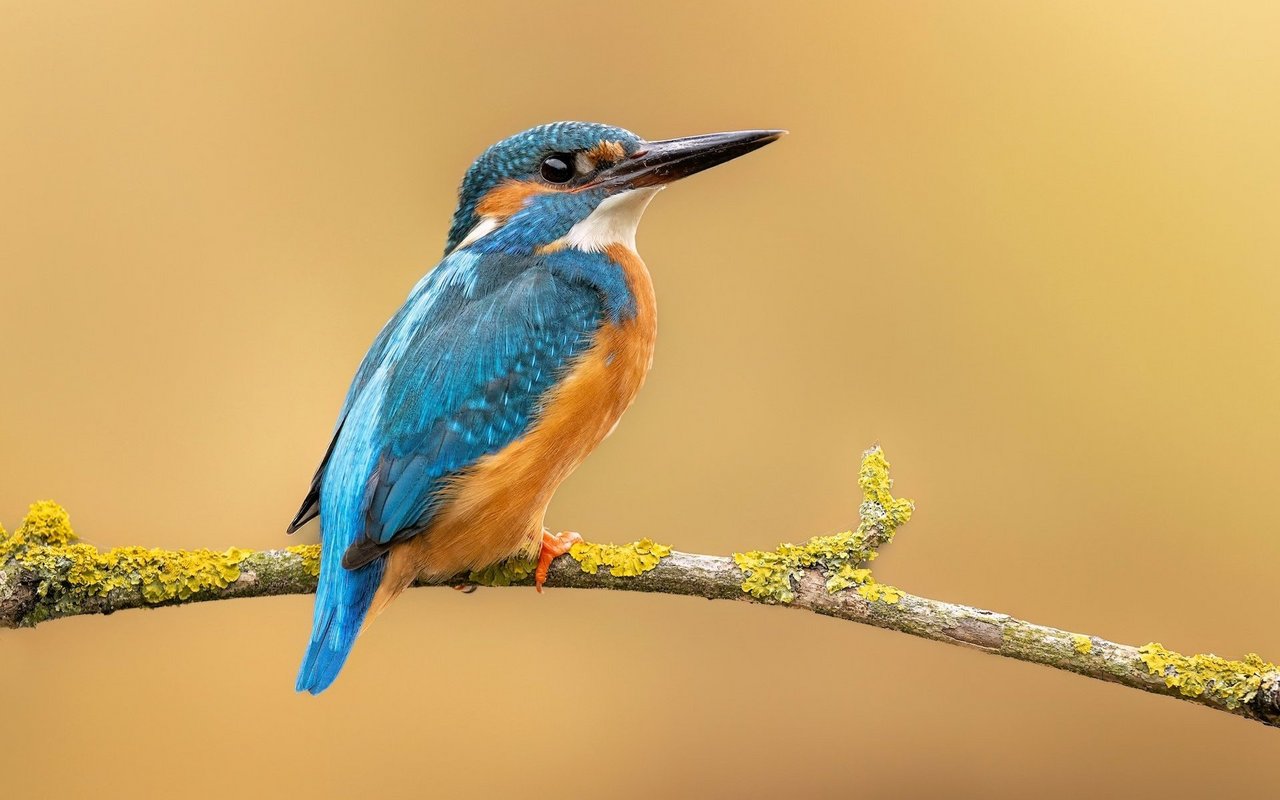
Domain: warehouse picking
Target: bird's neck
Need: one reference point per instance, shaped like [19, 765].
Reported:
[613, 222]
[607, 236]
[520, 217]
[594, 242]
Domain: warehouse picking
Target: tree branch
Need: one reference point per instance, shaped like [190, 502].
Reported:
[45, 573]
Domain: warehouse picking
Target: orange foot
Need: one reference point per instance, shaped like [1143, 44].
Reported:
[465, 588]
[554, 545]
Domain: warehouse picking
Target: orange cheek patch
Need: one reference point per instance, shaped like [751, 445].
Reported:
[507, 198]
[606, 151]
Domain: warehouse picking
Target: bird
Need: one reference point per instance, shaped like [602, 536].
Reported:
[510, 361]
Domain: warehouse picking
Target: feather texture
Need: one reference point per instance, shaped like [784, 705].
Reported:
[458, 373]
[506, 366]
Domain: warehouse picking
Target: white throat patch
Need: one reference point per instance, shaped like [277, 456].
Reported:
[483, 228]
[614, 221]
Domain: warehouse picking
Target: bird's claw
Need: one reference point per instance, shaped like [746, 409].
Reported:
[554, 545]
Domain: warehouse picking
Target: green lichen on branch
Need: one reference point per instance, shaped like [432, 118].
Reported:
[505, 573]
[1204, 674]
[772, 575]
[46, 524]
[70, 570]
[310, 555]
[47, 573]
[880, 512]
[623, 560]
[862, 581]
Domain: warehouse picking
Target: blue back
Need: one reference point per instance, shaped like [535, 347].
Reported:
[458, 373]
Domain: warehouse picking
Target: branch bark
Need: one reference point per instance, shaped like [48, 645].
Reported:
[284, 572]
[38, 586]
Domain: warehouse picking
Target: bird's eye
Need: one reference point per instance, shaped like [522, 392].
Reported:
[557, 168]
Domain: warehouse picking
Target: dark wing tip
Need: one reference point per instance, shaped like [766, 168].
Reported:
[307, 513]
[362, 552]
[311, 503]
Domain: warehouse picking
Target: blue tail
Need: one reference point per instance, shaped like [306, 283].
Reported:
[342, 600]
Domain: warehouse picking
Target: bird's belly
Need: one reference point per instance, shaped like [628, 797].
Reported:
[495, 509]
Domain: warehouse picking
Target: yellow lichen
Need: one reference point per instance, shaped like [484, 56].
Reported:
[880, 510]
[771, 575]
[861, 580]
[622, 560]
[46, 543]
[1083, 644]
[161, 574]
[504, 573]
[879, 592]
[46, 523]
[1204, 674]
[849, 575]
[310, 555]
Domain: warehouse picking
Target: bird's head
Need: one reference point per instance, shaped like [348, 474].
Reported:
[578, 184]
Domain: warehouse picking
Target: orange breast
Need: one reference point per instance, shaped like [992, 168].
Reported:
[495, 510]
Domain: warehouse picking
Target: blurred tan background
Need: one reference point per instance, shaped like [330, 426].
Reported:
[1032, 249]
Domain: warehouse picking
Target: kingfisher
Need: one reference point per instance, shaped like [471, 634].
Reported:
[509, 363]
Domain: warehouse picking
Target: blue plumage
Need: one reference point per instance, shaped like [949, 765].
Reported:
[464, 368]
[468, 377]
[519, 156]
[340, 610]
[457, 374]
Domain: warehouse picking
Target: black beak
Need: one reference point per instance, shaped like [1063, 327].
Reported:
[658, 163]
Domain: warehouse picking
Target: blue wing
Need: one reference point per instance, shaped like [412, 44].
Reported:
[463, 379]
[458, 373]
[479, 339]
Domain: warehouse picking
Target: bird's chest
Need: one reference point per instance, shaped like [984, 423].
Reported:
[496, 507]
[605, 379]
[586, 407]
[574, 415]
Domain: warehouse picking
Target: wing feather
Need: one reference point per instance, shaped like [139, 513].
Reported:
[462, 370]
